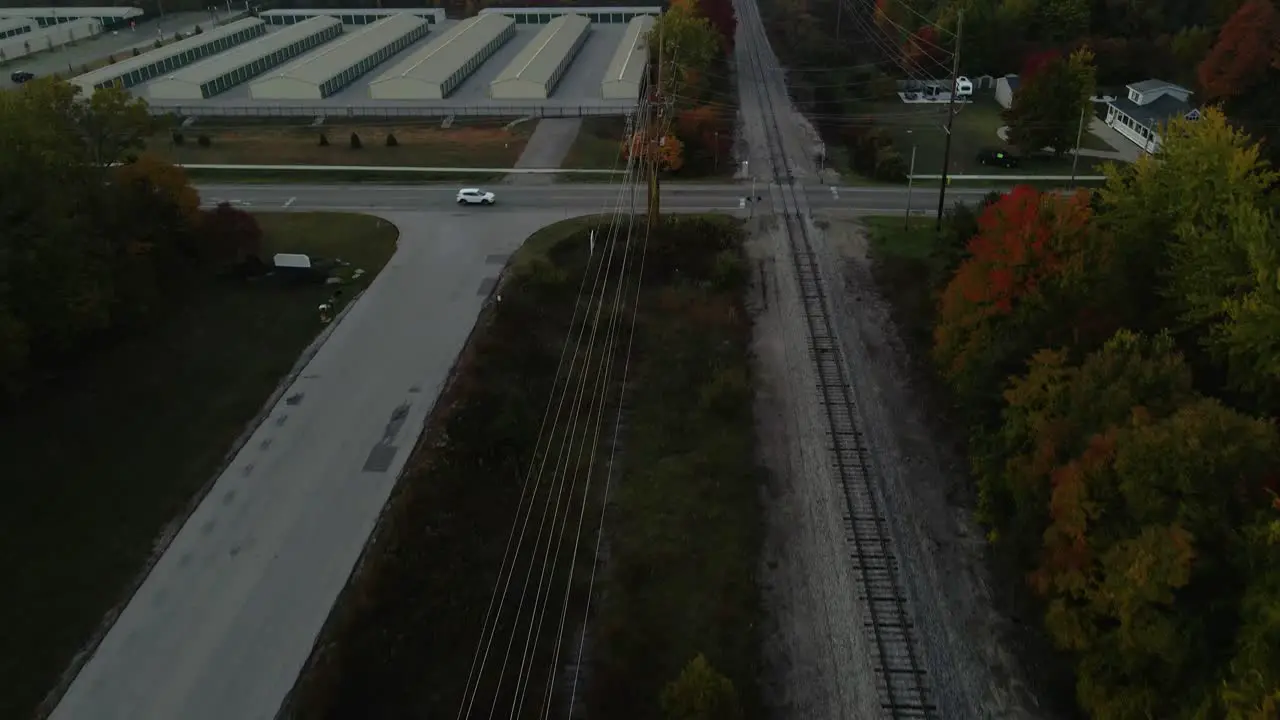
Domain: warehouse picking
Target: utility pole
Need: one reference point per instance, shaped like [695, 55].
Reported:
[655, 117]
[1075, 159]
[951, 116]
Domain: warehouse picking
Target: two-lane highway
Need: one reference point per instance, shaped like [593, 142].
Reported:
[573, 198]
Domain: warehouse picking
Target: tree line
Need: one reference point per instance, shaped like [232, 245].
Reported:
[99, 238]
[1115, 357]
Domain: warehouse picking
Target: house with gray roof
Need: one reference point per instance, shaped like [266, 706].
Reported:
[1149, 105]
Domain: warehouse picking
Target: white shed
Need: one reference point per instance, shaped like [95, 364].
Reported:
[1005, 88]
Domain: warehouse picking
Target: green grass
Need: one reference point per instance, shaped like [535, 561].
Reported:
[597, 145]
[100, 462]
[314, 177]
[907, 262]
[974, 130]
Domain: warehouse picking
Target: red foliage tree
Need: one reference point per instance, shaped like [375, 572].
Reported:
[923, 51]
[1248, 46]
[1035, 62]
[231, 236]
[721, 16]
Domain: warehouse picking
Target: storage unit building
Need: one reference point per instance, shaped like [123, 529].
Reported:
[349, 16]
[439, 68]
[12, 28]
[338, 64]
[533, 74]
[626, 73]
[206, 79]
[47, 16]
[17, 46]
[600, 15]
[163, 61]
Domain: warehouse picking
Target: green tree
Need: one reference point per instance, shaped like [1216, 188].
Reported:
[1251, 690]
[688, 44]
[1058, 21]
[700, 693]
[1049, 106]
[1198, 226]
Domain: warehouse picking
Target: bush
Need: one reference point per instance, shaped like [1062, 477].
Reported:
[197, 31]
[204, 141]
[391, 140]
[158, 44]
[136, 52]
[178, 138]
[355, 142]
[324, 140]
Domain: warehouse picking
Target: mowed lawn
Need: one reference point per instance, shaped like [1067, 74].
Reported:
[598, 145]
[98, 465]
[418, 144]
[974, 130]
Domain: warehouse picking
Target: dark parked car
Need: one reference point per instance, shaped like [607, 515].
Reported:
[22, 76]
[998, 158]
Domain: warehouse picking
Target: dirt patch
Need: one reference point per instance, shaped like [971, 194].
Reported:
[967, 643]
[415, 145]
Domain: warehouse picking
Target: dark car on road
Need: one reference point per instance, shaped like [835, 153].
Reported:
[22, 76]
[999, 158]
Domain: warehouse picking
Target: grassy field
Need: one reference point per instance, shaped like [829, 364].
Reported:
[974, 130]
[683, 513]
[101, 462]
[479, 145]
[907, 262]
[597, 145]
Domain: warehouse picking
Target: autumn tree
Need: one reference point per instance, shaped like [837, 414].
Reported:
[706, 134]
[666, 150]
[688, 45]
[1031, 279]
[1247, 50]
[230, 237]
[1198, 225]
[1050, 104]
[700, 693]
[1050, 413]
[1140, 563]
[722, 17]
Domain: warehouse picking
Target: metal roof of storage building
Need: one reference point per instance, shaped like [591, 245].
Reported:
[448, 54]
[540, 60]
[629, 60]
[92, 79]
[351, 49]
[15, 24]
[261, 54]
[349, 16]
[352, 52]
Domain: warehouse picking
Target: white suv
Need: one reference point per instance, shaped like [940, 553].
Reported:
[475, 196]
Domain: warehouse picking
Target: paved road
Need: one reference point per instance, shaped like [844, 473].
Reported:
[565, 199]
[223, 624]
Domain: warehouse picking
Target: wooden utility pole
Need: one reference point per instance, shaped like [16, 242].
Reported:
[654, 138]
[951, 116]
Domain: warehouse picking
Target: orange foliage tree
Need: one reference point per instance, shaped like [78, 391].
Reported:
[669, 149]
[1030, 280]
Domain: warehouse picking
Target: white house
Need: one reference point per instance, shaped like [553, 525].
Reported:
[1150, 104]
[1005, 88]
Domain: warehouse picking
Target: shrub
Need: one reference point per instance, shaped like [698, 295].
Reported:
[391, 140]
[178, 138]
[355, 142]
[158, 43]
[204, 141]
[324, 140]
[136, 52]
[197, 31]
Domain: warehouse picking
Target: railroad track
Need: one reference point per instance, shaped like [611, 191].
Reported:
[900, 676]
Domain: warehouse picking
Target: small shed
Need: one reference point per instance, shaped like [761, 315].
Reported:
[1005, 88]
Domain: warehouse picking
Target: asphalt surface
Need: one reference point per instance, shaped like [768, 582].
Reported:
[226, 619]
[566, 199]
[68, 59]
